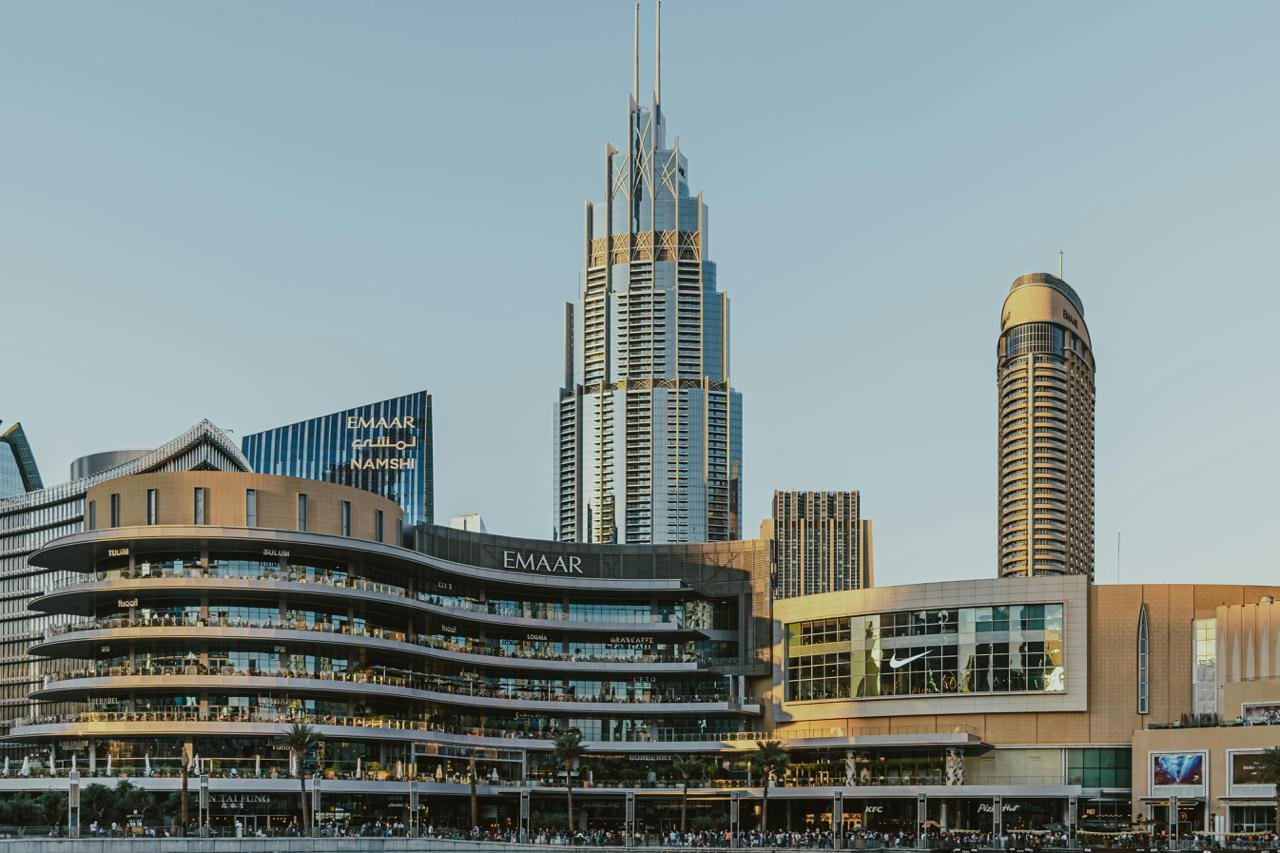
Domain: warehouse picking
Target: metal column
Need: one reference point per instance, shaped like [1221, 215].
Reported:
[204, 805]
[315, 805]
[837, 819]
[415, 826]
[630, 822]
[73, 805]
[1073, 807]
[734, 809]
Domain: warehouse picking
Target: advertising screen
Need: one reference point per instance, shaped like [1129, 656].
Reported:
[1177, 768]
[1245, 769]
[1268, 713]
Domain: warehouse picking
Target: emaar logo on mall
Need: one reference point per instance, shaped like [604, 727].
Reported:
[541, 563]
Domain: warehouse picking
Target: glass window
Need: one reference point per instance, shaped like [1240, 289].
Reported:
[1205, 666]
[250, 507]
[1143, 661]
[377, 525]
[346, 518]
[115, 510]
[200, 508]
[302, 512]
[997, 649]
[151, 506]
[93, 515]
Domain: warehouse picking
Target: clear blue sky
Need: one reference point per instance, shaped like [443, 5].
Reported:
[258, 212]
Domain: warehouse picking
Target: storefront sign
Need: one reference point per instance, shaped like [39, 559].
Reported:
[536, 637]
[987, 808]
[117, 552]
[126, 603]
[627, 642]
[378, 452]
[273, 552]
[552, 564]
[448, 629]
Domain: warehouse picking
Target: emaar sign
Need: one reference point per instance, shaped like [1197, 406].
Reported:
[549, 563]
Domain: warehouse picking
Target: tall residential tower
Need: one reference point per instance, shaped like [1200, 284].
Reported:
[648, 429]
[821, 543]
[1045, 377]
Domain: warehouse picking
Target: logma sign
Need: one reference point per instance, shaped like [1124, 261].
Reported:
[556, 564]
[382, 450]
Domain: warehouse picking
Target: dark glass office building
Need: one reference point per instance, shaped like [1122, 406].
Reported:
[18, 471]
[382, 447]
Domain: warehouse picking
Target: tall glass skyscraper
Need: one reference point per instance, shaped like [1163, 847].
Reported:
[1045, 379]
[648, 430]
[382, 447]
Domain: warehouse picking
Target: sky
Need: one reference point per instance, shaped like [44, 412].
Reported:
[260, 212]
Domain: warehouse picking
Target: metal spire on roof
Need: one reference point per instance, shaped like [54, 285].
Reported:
[657, 60]
[635, 59]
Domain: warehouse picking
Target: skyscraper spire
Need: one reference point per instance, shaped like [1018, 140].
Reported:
[635, 59]
[657, 59]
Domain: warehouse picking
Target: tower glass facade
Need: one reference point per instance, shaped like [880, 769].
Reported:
[383, 447]
[1045, 381]
[18, 471]
[648, 429]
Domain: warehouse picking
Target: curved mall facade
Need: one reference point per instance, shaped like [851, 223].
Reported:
[205, 611]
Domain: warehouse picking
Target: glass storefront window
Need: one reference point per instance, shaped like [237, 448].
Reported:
[997, 649]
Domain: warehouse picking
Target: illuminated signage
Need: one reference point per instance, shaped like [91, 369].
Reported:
[542, 563]
[125, 603]
[365, 456]
[448, 629]
[117, 552]
[630, 642]
[272, 552]
[986, 808]
[541, 637]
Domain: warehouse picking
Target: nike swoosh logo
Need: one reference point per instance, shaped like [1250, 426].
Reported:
[894, 663]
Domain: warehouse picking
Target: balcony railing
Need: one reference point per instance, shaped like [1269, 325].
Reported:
[548, 611]
[382, 676]
[425, 640]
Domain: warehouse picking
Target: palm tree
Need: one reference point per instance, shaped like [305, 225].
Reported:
[1268, 769]
[770, 758]
[298, 741]
[688, 767]
[568, 747]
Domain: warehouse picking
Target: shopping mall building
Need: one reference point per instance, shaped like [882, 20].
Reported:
[201, 612]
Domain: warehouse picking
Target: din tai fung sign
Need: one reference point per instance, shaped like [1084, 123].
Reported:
[383, 444]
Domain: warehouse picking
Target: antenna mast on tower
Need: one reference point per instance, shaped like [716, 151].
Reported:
[657, 58]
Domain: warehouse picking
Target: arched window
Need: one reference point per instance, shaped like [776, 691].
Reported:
[1144, 646]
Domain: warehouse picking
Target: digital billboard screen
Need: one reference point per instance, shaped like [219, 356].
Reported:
[1177, 768]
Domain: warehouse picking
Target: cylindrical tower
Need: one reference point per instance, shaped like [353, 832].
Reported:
[1045, 381]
